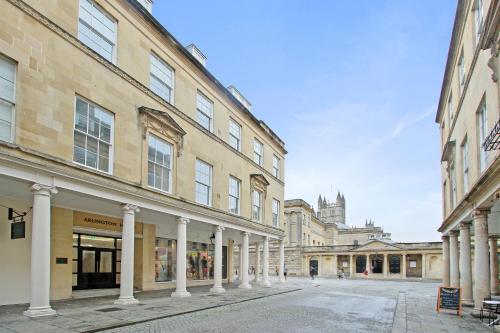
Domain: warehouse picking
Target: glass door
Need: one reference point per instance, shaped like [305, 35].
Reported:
[97, 268]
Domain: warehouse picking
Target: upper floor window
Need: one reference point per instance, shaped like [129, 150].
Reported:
[234, 195]
[450, 108]
[453, 185]
[97, 29]
[159, 164]
[482, 124]
[258, 152]
[461, 70]
[256, 205]
[93, 136]
[478, 19]
[7, 99]
[465, 164]
[205, 111]
[276, 166]
[161, 79]
[276, 213]
[234, 135]
[203, 183]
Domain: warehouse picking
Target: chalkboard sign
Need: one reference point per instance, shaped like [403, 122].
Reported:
[449, 299]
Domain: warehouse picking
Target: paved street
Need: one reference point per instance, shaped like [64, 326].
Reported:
[302, 305]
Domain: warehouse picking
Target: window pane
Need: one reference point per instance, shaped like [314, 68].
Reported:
[151, 174]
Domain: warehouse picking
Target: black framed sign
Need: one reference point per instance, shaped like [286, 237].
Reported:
[18, 230]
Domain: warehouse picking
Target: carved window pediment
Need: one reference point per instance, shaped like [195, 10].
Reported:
[259, 182]
[162, 123]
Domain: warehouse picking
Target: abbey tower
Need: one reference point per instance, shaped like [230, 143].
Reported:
[332, 212]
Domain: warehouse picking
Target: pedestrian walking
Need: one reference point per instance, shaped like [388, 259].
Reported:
[285, 271]
[311, 272]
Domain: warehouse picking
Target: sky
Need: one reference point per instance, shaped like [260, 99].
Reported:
[352, 88]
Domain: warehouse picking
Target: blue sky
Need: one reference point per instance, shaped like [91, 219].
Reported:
[350, 86]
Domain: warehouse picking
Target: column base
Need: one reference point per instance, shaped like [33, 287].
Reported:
[126, 301]
[180, 294]
[217, 290]
[40, 311]
[468, 303]
[245, 286]
[265, 283]
[284, 281]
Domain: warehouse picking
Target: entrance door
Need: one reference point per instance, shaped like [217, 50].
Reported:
[97, 268]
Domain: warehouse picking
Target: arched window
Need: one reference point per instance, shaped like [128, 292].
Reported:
[395, 264]
[360, 264]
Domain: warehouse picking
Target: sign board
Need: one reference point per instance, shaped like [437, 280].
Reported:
[94, 221]
[449, 299]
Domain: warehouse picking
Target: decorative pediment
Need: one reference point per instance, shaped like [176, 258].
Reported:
[164, 124]
[377, 245]
[259, 182]
[448, 151]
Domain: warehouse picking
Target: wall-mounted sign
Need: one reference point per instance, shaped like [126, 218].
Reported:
[94, 221]
[344, 264]
[18, 230]
[61, 261]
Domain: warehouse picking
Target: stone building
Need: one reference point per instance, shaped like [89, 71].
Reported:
[469, 120]
[324, 241]
[123, 161]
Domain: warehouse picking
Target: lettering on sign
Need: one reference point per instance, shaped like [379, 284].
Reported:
[94, 221]
[449, 299]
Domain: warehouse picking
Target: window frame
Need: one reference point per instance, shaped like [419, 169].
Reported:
[277, 213]
[465, 164]
[112, 139]
[12, 103]
[238, 139]
[210, 190]
[255, 153]
[461, 71]
[453, 184]
[170, 168]
[198, 110]
[172, 70]
[238, 198]
[276, 169]
[478, 20]
[482, 134]
[260, 204]
[113, 59]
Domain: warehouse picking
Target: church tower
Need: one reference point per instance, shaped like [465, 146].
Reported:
[339, 209]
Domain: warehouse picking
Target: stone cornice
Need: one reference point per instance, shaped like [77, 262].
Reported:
[46, 22]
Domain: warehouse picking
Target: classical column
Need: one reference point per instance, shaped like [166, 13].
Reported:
[446, 260]
[368, 265]
[493, 265]
[424, 263]
[403, 260]
[244, 269]
[265, 263]
[481, 258]
[335, 265]
[282, 261]
[257, 262]
[386, 265]
[180, 285]
[465, 263]
[40, 252]
[240, 266]
[320, 266]
[217, 288]
[127, 259]
[351, 266]
[454, 264]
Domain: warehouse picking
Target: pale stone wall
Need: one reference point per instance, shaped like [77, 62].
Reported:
[61, 246]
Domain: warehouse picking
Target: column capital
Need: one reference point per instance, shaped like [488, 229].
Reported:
[478, 212]
[245, 233]
[182, 220]
[130, 209]
[465, 225]
[219, 228]
[454, 233]
[445, 238]
[493, 237]
[43, 189]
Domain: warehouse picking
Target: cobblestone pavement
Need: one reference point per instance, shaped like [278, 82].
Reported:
[301, 305]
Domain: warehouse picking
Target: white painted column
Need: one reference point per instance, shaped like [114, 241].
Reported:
[217, 288]
[40, 252]
[351, 266]
[257, 262]
[265, 263]
[240, 266]
[403, 260]
[465, 263]
[454, 264]
[446, 260]
[127, 259]
[481, 258]
[368, 265]
[493, 265]
[244, 269]
[180, 285]
[386, 265]
[424, 269]
[282, 261]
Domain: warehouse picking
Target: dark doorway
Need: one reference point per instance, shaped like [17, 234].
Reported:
[98, 268]
[377, 264]
[360, 264]
[313, 264]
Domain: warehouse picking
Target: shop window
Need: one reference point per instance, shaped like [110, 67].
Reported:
[395, 264]
[360, 264]
[165, 260]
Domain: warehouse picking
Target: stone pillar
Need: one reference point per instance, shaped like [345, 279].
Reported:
[446, 260]
[454, 264]
[180, 285]
[351, 266]
[403, 260]
[257, 262]
[217, 288]
[424, 269]
[282, 261]
[244, 269]
[386, 265]
[481, 258]
[265, 264]
[368, 265]
[40, 252]
[240, 266]
[127, 259]
[335, 264]
[465, 263]
[320, 268]
[493, 265]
